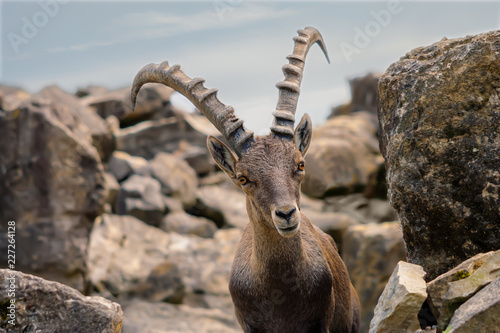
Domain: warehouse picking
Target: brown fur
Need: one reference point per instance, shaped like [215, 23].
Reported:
[285, 284]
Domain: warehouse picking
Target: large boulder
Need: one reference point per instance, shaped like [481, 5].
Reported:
[183, 223]
[177, 178]
[480, 313]
[343, 156]
[51, 307]
[224, 204]
[102, 138]
[127, 258]
[371, 252]
[440, 127]
[399, 304]
[52, 186]
[148, 317]
[141, 197]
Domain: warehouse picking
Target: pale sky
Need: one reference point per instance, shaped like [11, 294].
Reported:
[238, 46]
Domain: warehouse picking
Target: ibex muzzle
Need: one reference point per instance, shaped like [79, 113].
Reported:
[281, 253]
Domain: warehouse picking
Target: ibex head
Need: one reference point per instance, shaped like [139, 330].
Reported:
[270, 173]
[268, 169]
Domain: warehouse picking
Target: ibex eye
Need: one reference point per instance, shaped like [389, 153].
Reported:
[301, 166]
[243, 180]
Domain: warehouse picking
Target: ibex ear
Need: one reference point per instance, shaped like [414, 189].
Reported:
[223, 155]
[303, 134]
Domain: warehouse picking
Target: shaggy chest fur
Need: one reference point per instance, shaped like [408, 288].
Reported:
[283, 295]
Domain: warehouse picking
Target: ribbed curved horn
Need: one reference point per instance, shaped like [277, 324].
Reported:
[289, 89]
[222, 116]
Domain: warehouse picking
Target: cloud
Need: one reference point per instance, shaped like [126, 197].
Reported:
[154, 24]
[80, 47]
[222, 15]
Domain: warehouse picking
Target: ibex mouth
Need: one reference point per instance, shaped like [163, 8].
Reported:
[286, 219]
[289, 231]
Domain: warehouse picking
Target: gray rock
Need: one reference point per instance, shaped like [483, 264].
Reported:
[113, 189]
[210, 301]
[127, 258]
[480, 313]
[145, 317]
[141, 197]
[333, 224]
[51, 307]
[117, 103]
[102, 138]
[165, 135]
[177, 178]
[222, 302]
[361, 209]
[122, 165]
[52, 187]
[198, 158]
[440, 127]
[91, 90]
[370, 253]
[364, 92]
[214, 178]
[364, 96]
[12, 97]
[401, 300]
[224, 204]
[340, 110]
[123, 252]
[163, 284]
[448, 291]
[183, 223]
[205, 264]
[343, 157]
[172, 205]
[113, 124]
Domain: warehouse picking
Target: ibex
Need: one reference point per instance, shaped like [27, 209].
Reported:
[287, 275]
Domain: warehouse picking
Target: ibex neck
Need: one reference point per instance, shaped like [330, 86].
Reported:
[269, 247]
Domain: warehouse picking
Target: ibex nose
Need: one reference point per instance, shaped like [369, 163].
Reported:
[285, 215]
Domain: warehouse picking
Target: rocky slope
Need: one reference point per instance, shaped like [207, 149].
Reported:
[131, 207]
[130, 210]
